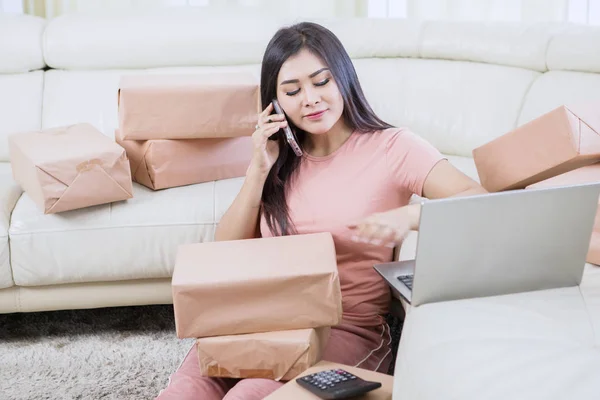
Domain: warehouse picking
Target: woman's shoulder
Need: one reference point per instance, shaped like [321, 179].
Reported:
[387, 137]
[398, 141]
[388, 132]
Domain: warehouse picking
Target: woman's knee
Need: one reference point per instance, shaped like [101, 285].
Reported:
[253, 389]
[188, 383]
[193, 389]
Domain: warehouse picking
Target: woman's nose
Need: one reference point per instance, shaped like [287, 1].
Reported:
[311, 97]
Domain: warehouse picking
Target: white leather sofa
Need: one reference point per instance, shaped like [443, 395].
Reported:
[456, 84]
[542, 345]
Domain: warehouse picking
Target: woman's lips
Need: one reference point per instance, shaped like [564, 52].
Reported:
[316, 115]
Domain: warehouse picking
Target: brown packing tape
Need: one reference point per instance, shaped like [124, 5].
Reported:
[258, 373]
[143, 171]
[587, 115]
[136, 151]
[87, 165]
[218, 371]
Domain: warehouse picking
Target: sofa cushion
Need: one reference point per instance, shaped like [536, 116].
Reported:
[21, 43]
[20, 105]
[144, 233]
[535, 345]
[556, 88]
[72, 41]
[132, 239]
[466, 165]
[455, 105]
[519, 45]
[575, 49]
[9, 194]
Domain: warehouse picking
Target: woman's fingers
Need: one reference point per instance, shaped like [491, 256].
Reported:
[268, 132]
[268, 110]
[371, 231]
[265, 115]
[388, 236]
[366, 231]
[272, 118]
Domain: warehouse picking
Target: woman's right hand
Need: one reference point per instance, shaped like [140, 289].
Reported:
[266, 151]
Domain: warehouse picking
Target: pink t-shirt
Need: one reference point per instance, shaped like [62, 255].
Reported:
[369, 173]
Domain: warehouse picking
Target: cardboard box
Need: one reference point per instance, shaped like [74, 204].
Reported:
[160, 164]
[291, 390]
[588, 174]
[208, 105]
[559, 141]
[278, 355]
[70, 167]
[256, 285]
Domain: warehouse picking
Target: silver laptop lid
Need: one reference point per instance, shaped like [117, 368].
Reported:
[503, 243]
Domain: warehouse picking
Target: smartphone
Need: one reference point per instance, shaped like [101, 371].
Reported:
[289, 135]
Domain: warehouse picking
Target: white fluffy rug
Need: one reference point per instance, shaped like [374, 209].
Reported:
[118, 353]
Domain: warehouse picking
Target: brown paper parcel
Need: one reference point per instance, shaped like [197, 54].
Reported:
[559, 141]
[161, 164]
[256, 285]
[70, 167]
[279, 356]
[588, 174]
[214, 105]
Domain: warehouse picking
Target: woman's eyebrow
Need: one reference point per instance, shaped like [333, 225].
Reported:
[310, 76]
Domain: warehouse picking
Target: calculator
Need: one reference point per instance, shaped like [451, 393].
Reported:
[336, 384]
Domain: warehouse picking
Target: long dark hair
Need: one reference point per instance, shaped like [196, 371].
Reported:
[357, 113]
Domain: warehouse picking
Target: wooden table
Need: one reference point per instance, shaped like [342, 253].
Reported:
[291, 390]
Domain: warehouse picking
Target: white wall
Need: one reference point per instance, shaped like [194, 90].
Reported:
[297, 8]
[11, 6]
[577, 11]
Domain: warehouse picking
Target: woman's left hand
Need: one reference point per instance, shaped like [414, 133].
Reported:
[387, 228]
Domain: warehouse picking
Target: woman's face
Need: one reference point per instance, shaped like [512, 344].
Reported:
[308, 93]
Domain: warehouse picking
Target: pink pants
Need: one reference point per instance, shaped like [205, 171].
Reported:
[367, 348]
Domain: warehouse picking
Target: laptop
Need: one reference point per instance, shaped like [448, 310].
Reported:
[497, 243]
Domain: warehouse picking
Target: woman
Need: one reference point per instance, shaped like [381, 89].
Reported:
[355, 179]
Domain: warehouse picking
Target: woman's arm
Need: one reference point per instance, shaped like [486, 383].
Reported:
[390, 227]
[242, 217]
[444, 180]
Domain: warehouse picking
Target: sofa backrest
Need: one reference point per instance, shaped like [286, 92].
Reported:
[456, 84]
[21, 76]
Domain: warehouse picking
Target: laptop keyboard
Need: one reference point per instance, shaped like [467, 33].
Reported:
[407, 280]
